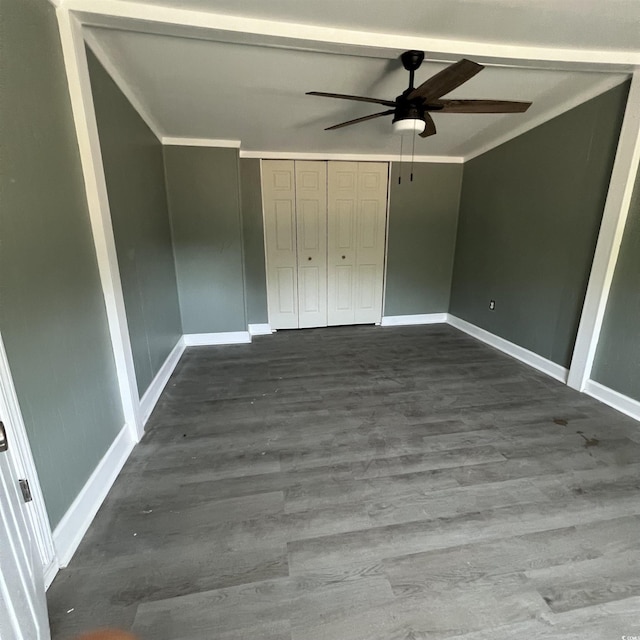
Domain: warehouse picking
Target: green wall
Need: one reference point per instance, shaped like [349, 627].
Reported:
[134, 172]
[203, 189]
[52, 313]
[253, 234]
[423, 217]
[617, 362]
[530, 214]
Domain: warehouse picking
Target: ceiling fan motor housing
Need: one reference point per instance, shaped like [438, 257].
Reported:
[408, 117]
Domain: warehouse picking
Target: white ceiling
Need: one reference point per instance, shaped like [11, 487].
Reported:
[588, 24]
[197, 88]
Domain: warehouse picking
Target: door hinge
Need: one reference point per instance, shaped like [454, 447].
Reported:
[26, 489]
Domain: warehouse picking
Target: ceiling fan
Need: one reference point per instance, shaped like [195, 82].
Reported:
[412, 109]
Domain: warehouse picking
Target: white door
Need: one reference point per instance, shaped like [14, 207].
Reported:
[279, 204]
[370, 241]
[357, 206]
[342, 208]
[311, 214]
[23, 608]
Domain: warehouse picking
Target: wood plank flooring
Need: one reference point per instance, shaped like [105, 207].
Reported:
[366, 483]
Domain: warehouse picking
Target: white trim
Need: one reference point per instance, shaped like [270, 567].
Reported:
[260, 329]
[619, 401]
[571, 102]
[75, 61]
[50, 572]
[156, 18]
[129, 92]
[22, 457]
[386, 244]
[345, 157]
[153, 393]
[200, 142]
[75, 522]
[421, 318]
[225, 337]
[614, 218]
[515, 351]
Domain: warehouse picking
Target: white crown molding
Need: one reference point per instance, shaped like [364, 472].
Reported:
[515, 351]
[209, 339]
[422, 318]
[346, 157]
[615, 399]
[200, 142]
[75, 522]
[153, 393]
[157, 18]
[573, 101]
[129, 92]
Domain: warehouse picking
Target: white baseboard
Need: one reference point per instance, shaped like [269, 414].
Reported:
[226, 337]
[519, 353]
[75, 522]
[421, 318]
[615, 399]
[260, 329]
[152, 394]
[50, 572]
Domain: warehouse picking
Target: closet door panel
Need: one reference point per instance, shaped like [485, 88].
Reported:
[311, 210]
[342, 214]
[370, 241]
[278, 183]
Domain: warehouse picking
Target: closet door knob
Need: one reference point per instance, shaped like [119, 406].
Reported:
[343, 257]
[309, 258]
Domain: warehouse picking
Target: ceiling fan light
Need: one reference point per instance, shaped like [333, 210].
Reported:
[409, 126]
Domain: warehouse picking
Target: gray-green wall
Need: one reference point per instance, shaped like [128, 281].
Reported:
[52, 313]
[204, 202]
[134, 172]
[253, 233]
[423, 217]
[529, 219]
[617, 363]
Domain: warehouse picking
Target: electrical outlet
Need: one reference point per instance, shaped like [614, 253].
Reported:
[492, 305]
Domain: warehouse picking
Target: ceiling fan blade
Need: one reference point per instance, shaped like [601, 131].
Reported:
[342, 96]
[446, 80]
[483, 106]
[430, 129]
[363, 119]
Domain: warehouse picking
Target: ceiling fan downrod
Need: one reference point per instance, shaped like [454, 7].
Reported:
[411, 61]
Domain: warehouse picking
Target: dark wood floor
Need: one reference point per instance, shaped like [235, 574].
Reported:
[366, 483]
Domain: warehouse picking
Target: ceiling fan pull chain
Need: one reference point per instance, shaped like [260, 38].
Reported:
[400, 167]
[413, 153]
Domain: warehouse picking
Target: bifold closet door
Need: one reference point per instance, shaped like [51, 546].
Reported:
[295, 216]
[279, 201]
[311, 215]
[357, 211]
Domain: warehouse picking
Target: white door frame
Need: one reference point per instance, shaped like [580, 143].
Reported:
[23, 459]
[77, 69]
[614, 218]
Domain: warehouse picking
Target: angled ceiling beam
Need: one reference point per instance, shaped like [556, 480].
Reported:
[191, 23]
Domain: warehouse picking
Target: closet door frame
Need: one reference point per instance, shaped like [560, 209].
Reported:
[351, 318]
